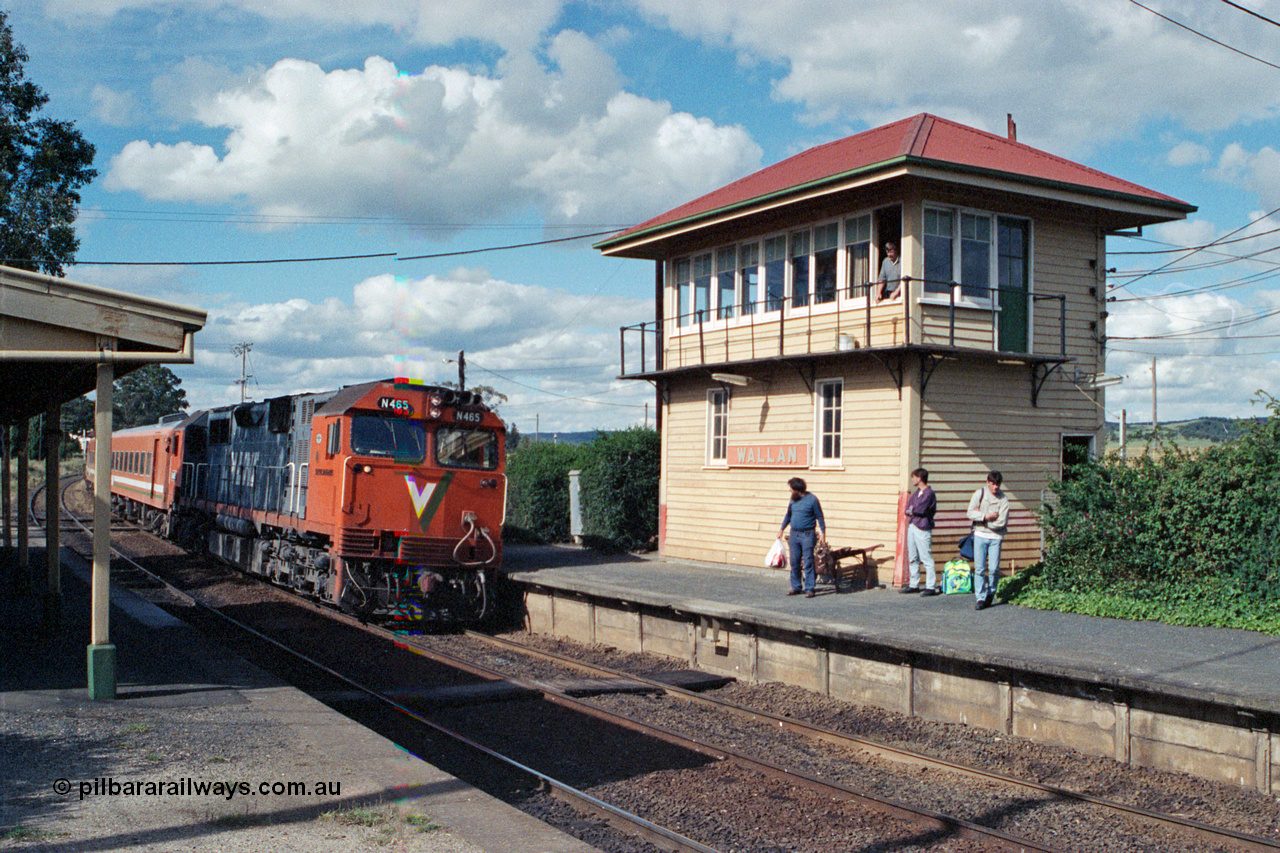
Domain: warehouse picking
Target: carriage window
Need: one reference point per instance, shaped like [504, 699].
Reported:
[466, 448]
[375, 435]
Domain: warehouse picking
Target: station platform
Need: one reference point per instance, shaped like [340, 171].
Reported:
[84, 775]
[1239, 669]
[1203, 701]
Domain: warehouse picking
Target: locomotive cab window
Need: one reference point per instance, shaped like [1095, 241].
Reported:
[459, 447]
[377, 435]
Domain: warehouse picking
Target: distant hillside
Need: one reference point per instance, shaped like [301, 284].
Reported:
[1196, 430]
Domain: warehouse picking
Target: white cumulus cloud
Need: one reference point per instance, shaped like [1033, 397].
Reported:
[442, 146]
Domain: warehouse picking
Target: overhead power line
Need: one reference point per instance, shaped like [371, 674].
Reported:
[1207, 37]
[1191, 252]
[501, 248]
[314, 260]
[1251, 12]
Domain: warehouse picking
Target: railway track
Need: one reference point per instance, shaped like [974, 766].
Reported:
[908, 825]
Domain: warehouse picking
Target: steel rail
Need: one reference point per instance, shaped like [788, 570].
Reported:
[621, 819]
[915, 814]
[1221, 835]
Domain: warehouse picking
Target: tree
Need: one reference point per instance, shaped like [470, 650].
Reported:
[145, 395]
[43, 164]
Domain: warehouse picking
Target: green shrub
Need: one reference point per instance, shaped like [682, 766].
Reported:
[538, 490]
[1186, 537]
[620, 488]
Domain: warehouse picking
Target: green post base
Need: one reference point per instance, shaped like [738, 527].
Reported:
[102, 672]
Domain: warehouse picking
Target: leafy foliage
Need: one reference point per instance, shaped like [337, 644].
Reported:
[620, 487]
[538, 490]
[43, 165]
[145, 395]
[140, 398]
[1187, 537]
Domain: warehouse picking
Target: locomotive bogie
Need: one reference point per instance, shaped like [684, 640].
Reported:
[378, 498]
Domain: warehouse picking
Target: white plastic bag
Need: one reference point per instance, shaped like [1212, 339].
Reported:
[777, 558]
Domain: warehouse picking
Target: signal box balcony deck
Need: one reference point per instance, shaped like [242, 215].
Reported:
[934, 321]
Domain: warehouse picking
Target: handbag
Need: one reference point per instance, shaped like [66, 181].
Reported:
[777, 557]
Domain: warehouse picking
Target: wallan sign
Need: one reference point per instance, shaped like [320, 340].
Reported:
[768, 456]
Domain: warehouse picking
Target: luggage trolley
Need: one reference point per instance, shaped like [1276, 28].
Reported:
[845, 569]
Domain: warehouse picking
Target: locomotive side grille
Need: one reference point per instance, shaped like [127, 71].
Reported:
[419, 550]
[355, 542]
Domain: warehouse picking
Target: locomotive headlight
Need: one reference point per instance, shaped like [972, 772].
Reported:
[435, 413]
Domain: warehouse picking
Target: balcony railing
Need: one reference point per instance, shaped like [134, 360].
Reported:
[951, 316]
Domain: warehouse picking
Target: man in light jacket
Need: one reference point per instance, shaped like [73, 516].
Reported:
[989, 512]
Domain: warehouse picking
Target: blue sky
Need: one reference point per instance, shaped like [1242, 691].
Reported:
[277, 129]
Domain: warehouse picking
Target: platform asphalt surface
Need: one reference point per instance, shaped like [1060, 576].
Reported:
[78, 775]
[1234, 668]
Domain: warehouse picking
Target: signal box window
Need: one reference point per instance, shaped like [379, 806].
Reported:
[458, 447]
[830, 420]
[717, 427]
[375, 435]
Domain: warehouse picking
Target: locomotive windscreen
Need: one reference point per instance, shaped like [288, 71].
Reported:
[458, 447]
[376, 435]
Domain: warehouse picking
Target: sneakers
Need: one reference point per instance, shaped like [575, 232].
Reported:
[793, 592]
[906, 589]
[925, 593]
[809, 594]
[981, 604]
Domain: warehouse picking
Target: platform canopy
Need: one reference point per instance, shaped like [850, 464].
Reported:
[54, 333]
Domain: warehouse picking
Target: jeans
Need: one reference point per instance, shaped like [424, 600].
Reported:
[802, 555]
[920, 552]
[986, 566]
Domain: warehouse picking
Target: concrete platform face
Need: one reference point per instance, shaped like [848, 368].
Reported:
[202, 750]
[1204, 701]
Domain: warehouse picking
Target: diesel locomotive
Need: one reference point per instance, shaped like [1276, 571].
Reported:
[385, 499]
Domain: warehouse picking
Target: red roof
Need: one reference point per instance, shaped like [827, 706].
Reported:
[923, 139]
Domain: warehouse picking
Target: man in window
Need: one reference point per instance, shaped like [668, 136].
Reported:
[891, 279]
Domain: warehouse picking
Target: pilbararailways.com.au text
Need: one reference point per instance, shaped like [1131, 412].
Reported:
[106, 786]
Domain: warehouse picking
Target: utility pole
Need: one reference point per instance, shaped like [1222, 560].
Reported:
[462, 371]
[242, 349]
[1154, 422]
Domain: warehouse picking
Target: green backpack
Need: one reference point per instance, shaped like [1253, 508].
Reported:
[957, 576]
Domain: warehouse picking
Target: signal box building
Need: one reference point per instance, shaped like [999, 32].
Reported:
[771, 360]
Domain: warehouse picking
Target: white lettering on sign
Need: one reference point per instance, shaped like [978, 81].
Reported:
[768, 456]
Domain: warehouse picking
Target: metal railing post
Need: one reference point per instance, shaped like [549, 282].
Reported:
[951, 334]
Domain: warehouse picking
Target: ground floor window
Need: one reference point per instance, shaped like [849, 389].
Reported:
[717, 427]
[830, 412]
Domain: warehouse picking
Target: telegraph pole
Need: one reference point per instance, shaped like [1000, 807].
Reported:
[462, 371]
[1154, 422]
[242, 349]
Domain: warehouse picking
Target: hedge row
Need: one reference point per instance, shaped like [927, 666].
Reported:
[618, 489]
[1186, 536]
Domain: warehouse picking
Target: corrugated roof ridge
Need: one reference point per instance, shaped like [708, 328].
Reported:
[1146, 191]
[918, 136]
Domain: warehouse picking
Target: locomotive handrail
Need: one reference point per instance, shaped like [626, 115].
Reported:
[292, 469]
[302, 472]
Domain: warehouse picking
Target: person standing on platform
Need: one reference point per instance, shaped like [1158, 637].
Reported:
[989, 512]
[804, 514]
[919, 511]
